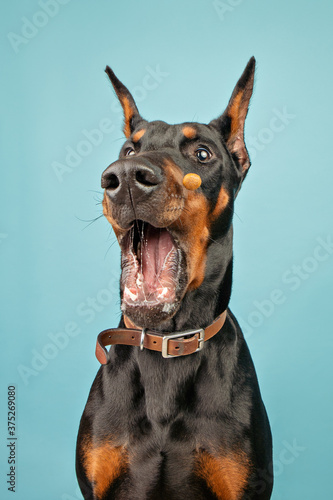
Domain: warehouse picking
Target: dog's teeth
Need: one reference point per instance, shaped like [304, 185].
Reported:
[129, 294]
[163, 292]
[167, 307]
[139, 280]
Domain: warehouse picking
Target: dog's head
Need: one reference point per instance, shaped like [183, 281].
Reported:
[164, 223]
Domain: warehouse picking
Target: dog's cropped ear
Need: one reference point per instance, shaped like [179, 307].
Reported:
[231, 122]
[131, 114]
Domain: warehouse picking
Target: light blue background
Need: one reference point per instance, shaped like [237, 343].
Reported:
[53, 88]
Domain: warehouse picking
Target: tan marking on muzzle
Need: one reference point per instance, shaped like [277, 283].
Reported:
[107, 211]
[222, 202]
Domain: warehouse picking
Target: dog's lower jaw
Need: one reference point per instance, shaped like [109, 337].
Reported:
[149, 317]
[196, 308]
[153, 314]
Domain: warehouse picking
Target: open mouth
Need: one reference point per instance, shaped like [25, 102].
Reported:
[151, 267]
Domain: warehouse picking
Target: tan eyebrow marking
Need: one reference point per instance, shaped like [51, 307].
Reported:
[189, 132]
[137, 136]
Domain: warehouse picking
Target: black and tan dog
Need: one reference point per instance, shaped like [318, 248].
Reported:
[175, 411]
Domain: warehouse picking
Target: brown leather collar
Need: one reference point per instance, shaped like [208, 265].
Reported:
[169, 344]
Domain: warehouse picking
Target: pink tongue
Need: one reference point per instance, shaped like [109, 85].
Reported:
[155, 248]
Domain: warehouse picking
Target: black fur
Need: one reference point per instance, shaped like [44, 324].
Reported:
[166, 411]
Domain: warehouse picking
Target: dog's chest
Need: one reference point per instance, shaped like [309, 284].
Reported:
[154, 425]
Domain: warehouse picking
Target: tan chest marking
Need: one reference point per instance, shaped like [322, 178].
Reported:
[226, 476]
[103, 464]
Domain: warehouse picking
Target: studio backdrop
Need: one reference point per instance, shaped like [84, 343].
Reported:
[61, 126]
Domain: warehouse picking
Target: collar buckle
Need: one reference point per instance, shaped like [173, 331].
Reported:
[166, 338]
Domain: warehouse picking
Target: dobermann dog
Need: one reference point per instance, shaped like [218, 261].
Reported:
[175, 411]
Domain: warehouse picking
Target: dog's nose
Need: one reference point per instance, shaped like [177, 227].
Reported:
[124, 175]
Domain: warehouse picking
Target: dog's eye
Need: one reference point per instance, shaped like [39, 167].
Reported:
[129, 152]
[203, 154]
